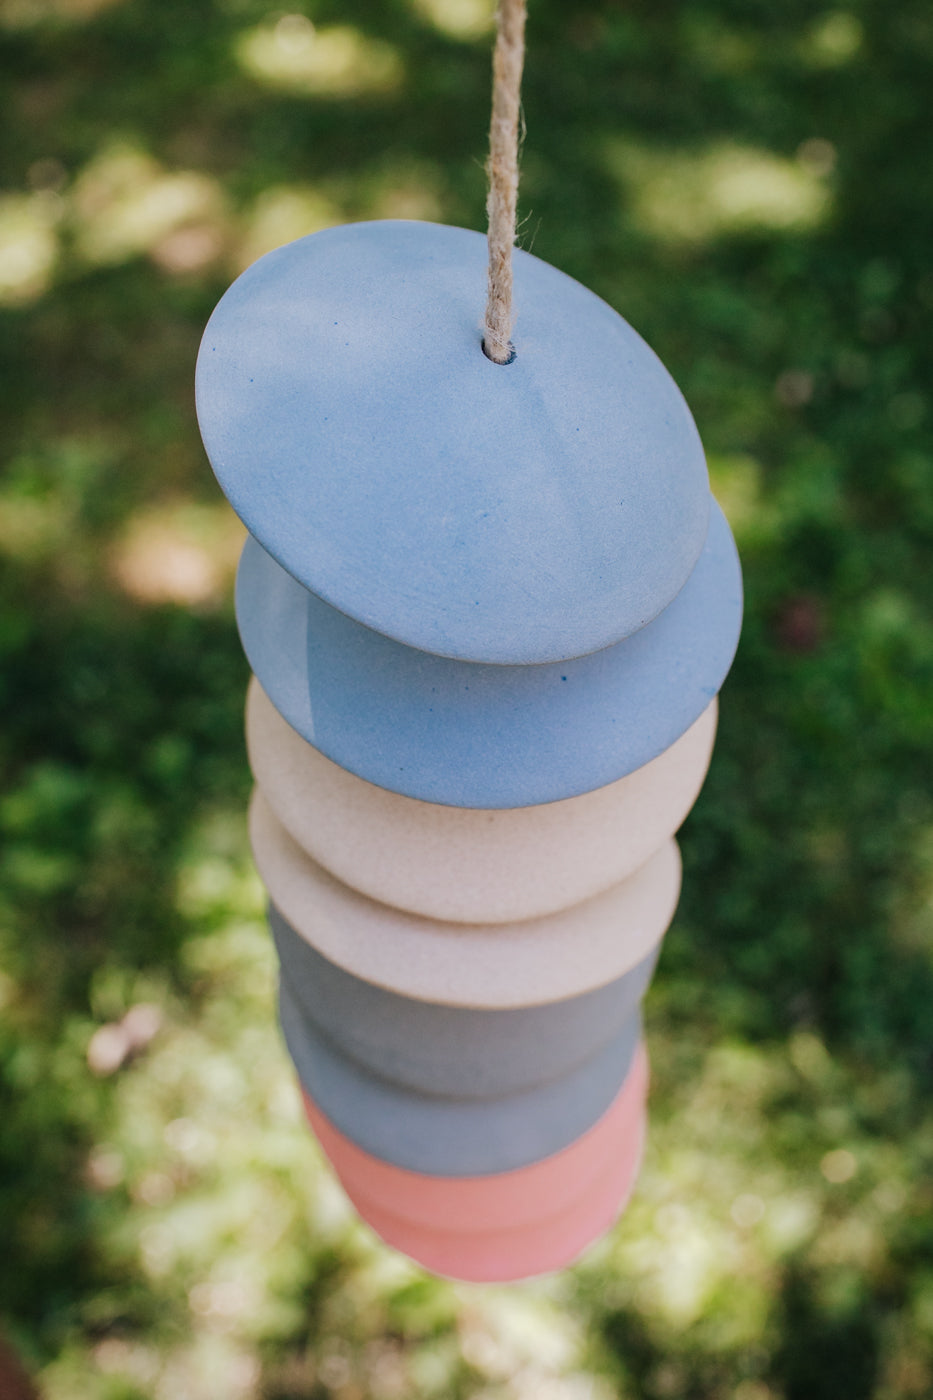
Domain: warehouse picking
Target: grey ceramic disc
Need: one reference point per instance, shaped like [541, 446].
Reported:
[433, 1049]
[445, 1136]
[511, 514]
[468, 735]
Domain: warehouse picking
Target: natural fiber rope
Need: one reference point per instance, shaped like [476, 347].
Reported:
[502, 171]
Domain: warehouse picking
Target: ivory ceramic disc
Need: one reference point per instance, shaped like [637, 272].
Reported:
[467, 864]
[446, 1136]
[461, 1051]
[489, 736]
[480, 965]
[515, 514]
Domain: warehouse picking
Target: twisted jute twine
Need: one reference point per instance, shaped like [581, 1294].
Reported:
[502, 172]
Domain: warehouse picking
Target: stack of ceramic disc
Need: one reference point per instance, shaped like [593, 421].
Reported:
[488, 609]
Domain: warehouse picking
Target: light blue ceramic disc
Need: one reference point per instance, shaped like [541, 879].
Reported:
[464, 1052]
[468, 735]
[509, 514]
[445, 1136]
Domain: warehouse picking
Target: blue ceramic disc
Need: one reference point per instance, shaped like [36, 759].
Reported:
[465, 1052]
[446, 1136]
[508, 514]
[468, 735]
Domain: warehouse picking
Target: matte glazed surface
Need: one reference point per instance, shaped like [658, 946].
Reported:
[437, 1049]
[481, 965]
[465, 864]
[503, 1256]
[446, 1136]
[516, 514]
[511, 1225]
[489, 736]
[516, 1198]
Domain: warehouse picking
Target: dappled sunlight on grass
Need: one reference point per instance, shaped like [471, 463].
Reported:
[217, 877]
[741, 183]
[23, 14]
[125, 203]
[293, 55]
[719, 1214]
[459, 19]
[178, 552]
[504, 1333]
[737, 482]
[400, 189]
[695, 197]
[28, 244]
[833, 40]
[206, 1139]
[280, 214]
[403, 190]
[911, 921]
[718, 47]
[42, 500]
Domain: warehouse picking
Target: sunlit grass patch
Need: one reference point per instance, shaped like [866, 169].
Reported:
[281, 214]
[178, 552]
[28, 244]
[737, 482]
[43, 500]
[293, 55]
[403, 189]
[694, 197]
[716, 46]
[217, 880]
[397, 189]
[125, 203]
[911, 917]
[23, 14]
[754, 1175]
[460, 19]
[832, 40]
[212, 1208]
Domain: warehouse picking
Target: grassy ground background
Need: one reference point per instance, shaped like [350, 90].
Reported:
[750, 185]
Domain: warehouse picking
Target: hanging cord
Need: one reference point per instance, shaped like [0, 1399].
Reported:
[502, 172]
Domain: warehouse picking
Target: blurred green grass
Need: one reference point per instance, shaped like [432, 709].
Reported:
[750, 186]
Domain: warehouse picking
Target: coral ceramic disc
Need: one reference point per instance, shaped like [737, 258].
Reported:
[510, 1225]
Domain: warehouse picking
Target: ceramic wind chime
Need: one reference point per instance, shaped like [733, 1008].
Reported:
[488, 604]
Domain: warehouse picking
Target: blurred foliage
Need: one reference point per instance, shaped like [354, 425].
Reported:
[750, 185]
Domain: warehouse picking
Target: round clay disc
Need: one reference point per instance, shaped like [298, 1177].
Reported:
[483, 965]
[466, 1052]
[489, 736]
[515, 514]
[468, 864]
[506, 1256]
[446, 1136]
[500, 1201]
[510, 1225]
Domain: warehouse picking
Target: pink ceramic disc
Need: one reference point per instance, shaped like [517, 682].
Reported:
[503, 1256]
[510, 1225]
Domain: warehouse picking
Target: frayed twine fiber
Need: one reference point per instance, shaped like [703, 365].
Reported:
[502, 172]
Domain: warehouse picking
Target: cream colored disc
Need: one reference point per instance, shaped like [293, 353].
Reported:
[495, 965]
[465, 864]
